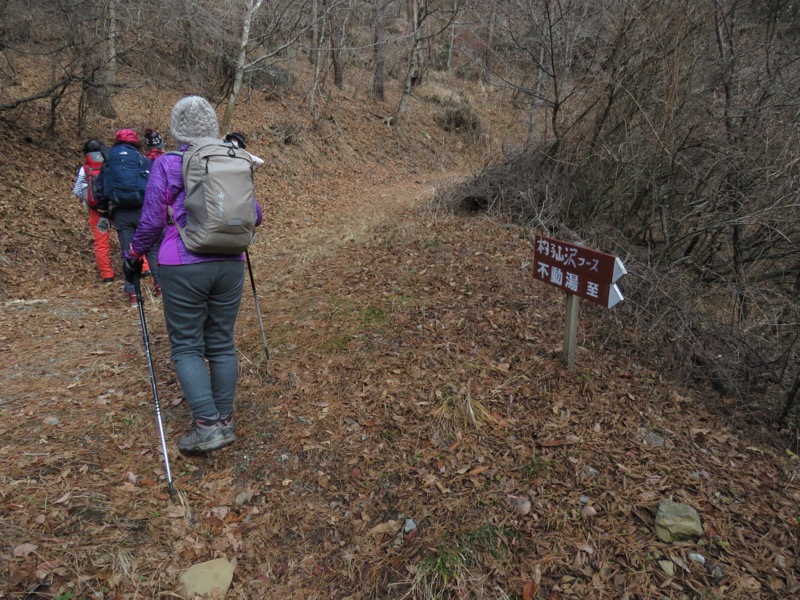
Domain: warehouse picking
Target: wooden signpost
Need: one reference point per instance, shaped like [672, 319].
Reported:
[582, 273]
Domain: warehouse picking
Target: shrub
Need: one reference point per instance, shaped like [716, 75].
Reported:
[460, 118]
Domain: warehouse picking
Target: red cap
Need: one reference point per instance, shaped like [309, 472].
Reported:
[127, 135]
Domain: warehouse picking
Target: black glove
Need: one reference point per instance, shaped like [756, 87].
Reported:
[132, 267]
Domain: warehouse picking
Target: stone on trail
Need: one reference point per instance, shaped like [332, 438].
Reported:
[697, 558]
[677, 522]
[667, 566]
[521, 504]
[209, 579]
[651, 438]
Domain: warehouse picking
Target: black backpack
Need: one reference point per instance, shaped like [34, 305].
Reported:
[125, 174]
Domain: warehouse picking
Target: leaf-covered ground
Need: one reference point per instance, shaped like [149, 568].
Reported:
[414, 375]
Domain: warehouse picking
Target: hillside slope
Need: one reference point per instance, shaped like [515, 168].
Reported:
[414, 376]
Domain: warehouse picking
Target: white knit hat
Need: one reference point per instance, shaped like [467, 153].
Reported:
[193, 117]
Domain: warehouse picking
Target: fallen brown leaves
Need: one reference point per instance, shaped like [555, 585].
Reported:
[414, 378]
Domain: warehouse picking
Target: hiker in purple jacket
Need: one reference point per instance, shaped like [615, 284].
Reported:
[201, 292]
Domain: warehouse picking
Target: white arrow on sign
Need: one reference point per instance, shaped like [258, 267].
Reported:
[619, 271]
[614, 294]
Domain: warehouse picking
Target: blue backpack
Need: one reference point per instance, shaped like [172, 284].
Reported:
[125, 175]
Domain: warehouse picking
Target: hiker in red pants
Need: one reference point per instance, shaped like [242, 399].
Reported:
[94, 156]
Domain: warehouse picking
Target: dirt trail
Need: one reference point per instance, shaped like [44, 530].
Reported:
[297, 242]
[78, 427]
[65, 334]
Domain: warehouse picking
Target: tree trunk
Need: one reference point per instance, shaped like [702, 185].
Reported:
[82, 110]
[313, 54]
[411, 75]
[726, 44]
[337, 43]
[791, 397]
[100, 72]
[111, 69]
[411, 14]
[251, 6]
[312, 95]
[51, 125]
[452, 40]
[417, 78]
[379, 50]
[556, 85]
[488, 50]
[336, 59]
[533, 134]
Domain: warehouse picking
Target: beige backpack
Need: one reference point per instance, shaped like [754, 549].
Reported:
[220, 198]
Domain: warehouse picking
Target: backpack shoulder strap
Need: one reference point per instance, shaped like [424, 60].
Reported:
[195, 147]
[144, 162]
[170, 212]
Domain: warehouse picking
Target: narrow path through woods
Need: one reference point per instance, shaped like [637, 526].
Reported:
[414, 375]
[65, 337]
[77, 419]
[295, 242]
[85, 340]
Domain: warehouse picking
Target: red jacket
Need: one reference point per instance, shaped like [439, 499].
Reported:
[153, 153]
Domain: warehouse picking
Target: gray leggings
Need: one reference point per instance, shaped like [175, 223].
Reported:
[126, 221]
[201, 303]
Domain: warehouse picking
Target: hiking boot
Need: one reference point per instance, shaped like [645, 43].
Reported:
[203, 439]
[157, 288]
[108, 279]
[227, 430]
[132, 299]
[147, 273]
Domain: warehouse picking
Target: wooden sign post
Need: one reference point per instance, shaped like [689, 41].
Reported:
[581, 273]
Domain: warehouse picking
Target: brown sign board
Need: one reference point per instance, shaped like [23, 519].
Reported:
[578, 270]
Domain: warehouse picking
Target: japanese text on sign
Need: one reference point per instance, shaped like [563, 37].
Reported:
[578, 270]
[569, 256]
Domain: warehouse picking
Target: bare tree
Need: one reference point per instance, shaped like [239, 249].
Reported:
[488, 50]
[76, 43]
[543, 40]
[100, 66]
[313, 53]
[685, 160]
[250, 8]
[422, 11]
[379, 49]
[337, 24]
[452, 40]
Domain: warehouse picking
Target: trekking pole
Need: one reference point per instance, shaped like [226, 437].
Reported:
[140, 304]
[258, 308]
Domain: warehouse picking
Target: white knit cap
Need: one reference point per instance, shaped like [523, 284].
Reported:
[193, 117]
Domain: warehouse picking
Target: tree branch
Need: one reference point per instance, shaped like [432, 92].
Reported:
[38, 96]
